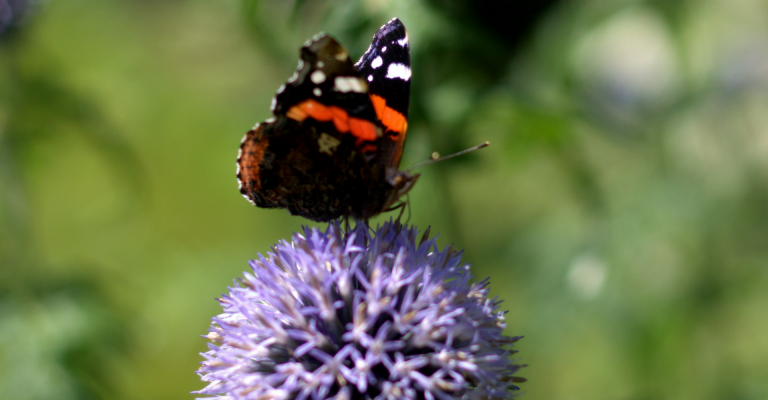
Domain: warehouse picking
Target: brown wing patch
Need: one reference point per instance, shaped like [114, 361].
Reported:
[249, 157]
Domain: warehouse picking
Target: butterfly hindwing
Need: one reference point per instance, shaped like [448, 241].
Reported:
[303, 168]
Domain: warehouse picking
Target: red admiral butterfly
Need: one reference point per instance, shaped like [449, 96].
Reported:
[334, 145]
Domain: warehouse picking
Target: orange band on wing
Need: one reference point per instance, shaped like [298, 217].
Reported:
[379, 104]
[316, 110]
[362, 129]
[389, 117]
[368, 148]
[359, 128]
[340, 119]
[296, 113]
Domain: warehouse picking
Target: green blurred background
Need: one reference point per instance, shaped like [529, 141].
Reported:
[621, 211]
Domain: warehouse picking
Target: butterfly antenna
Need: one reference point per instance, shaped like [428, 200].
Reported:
[436, 156]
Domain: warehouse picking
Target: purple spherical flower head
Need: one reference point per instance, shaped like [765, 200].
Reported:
[359, 315]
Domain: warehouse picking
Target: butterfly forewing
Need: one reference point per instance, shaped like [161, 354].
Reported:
[386, 66]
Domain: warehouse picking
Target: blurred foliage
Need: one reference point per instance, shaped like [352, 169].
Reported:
[621, 211]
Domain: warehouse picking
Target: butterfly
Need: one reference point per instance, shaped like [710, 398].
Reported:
[333, 147]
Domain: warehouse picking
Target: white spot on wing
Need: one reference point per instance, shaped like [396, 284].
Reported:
[359, 86]
[349, 84]
[399, 71]
[377, 62]
[403, 42]
[384, 49]
[340, 84]
[249, 199]
[273, 105]
[370, 78]
[317, 77]
[317, 92]
[341, 56]
[280, 89]
[320, 64]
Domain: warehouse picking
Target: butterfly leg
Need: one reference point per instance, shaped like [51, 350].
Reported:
[401, 206]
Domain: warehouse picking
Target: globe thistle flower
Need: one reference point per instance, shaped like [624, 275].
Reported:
[359, 315]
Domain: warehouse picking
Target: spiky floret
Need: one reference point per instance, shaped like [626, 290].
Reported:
[367, 314]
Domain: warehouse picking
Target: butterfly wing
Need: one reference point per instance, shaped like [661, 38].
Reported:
[386, 67]
[314, 157]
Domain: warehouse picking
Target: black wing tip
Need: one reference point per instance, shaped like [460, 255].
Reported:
[394, 24]
[392, 30]
[319, 37]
